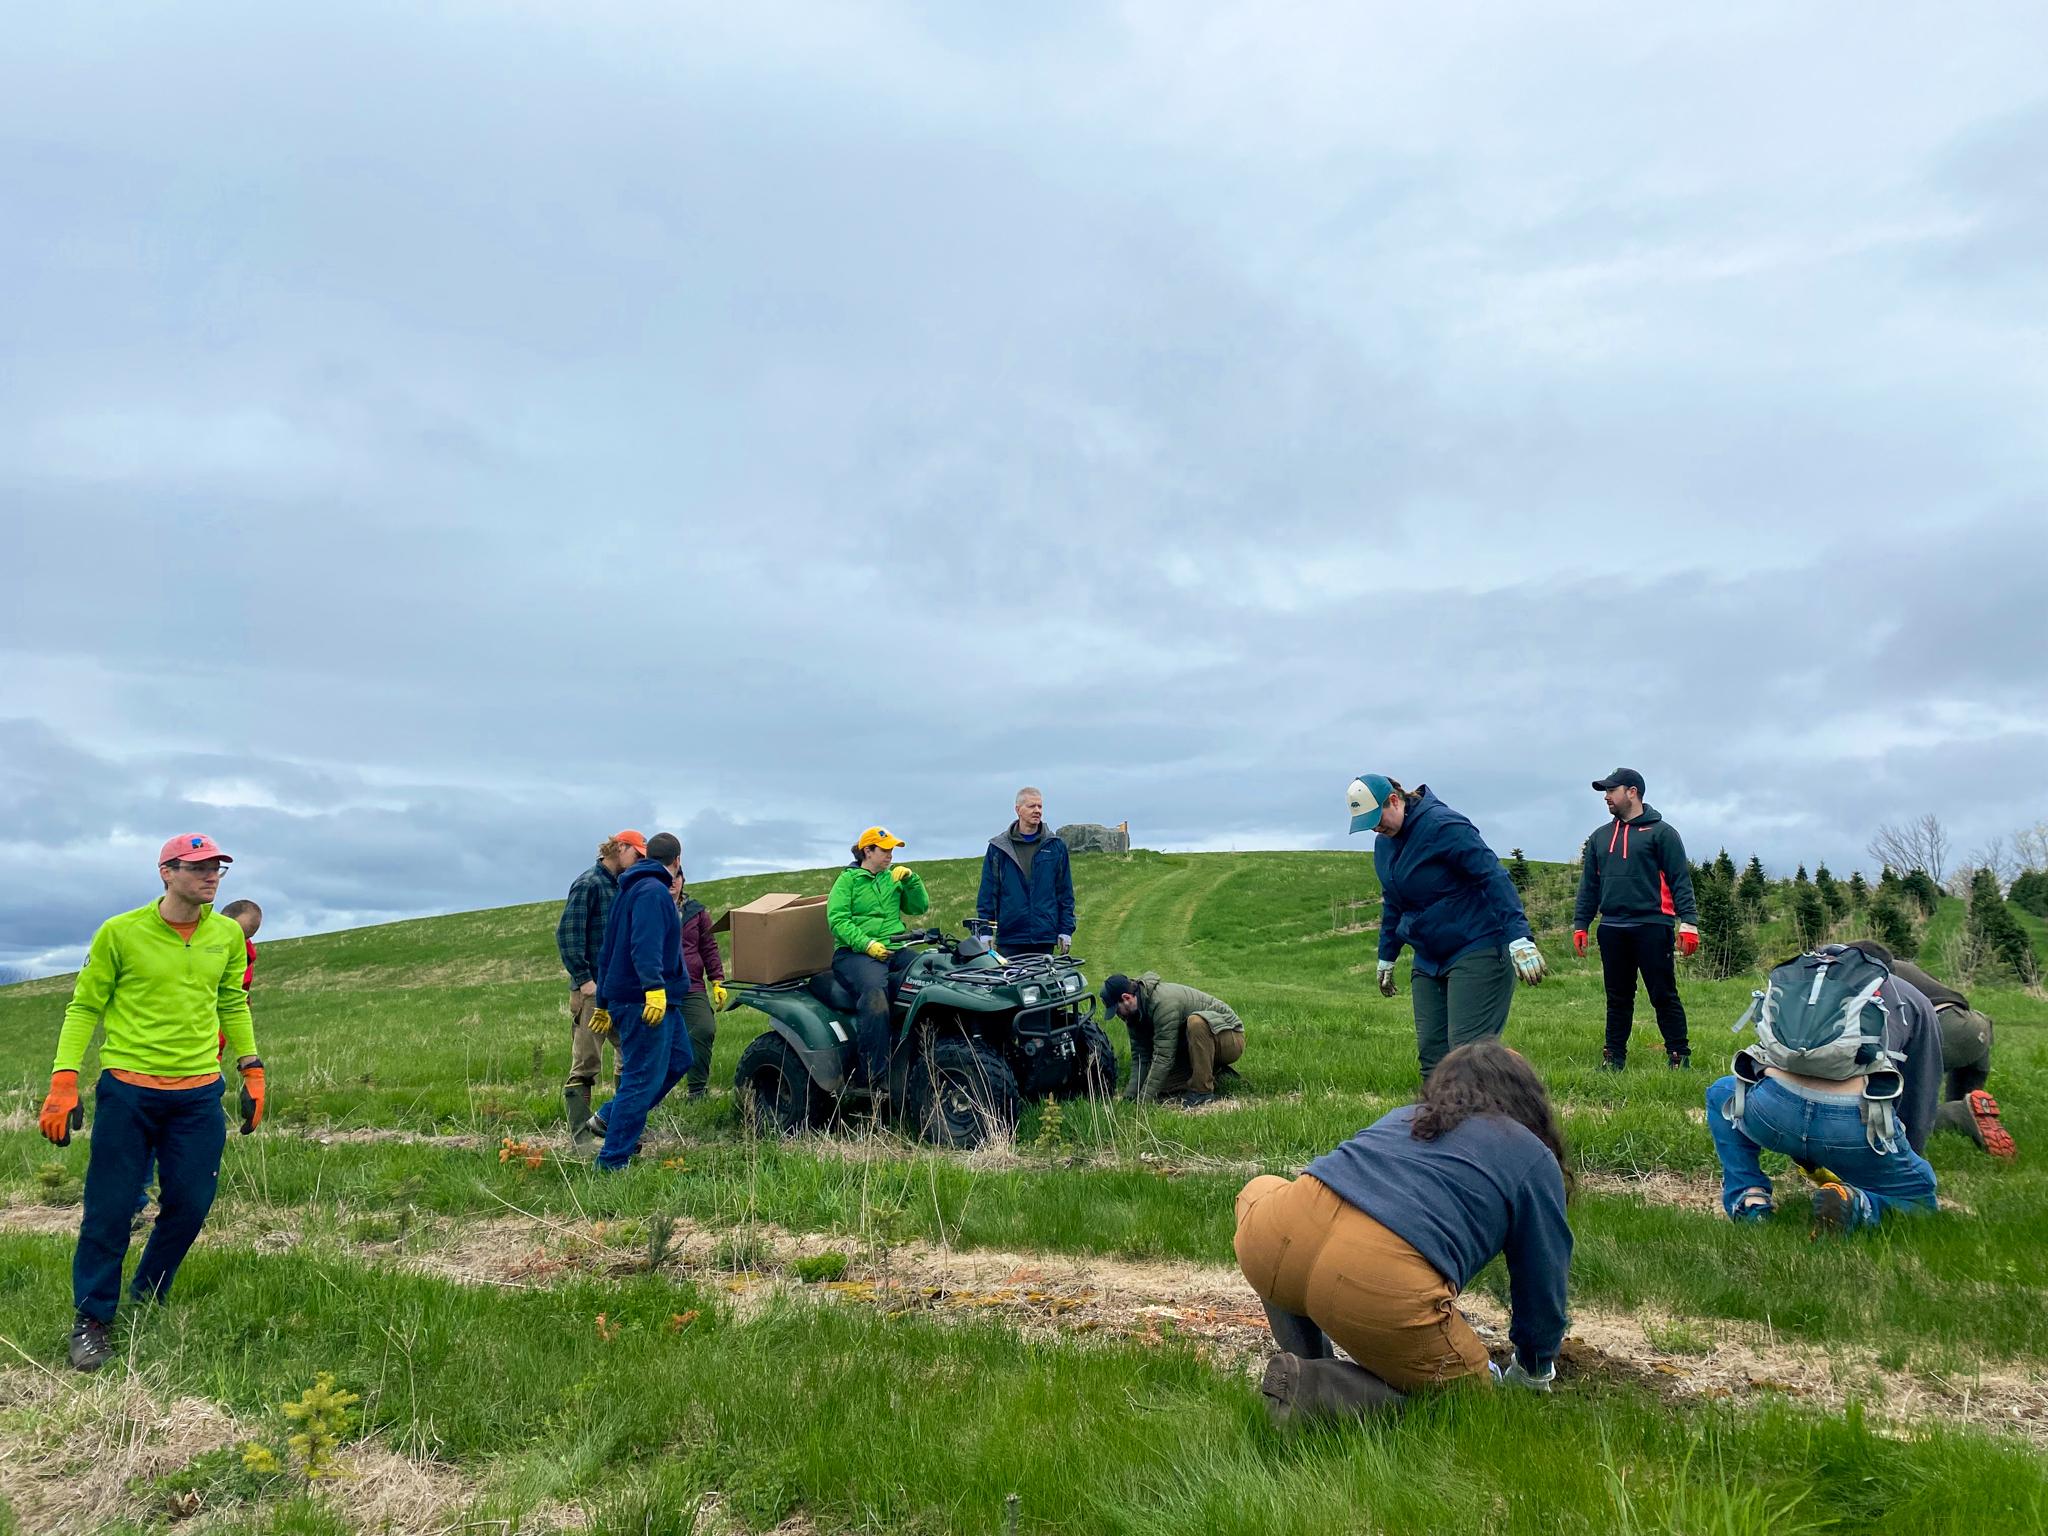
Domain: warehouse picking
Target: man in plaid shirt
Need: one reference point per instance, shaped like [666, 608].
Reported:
[579, 937]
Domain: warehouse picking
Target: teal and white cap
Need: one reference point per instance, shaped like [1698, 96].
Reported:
[1369, 793]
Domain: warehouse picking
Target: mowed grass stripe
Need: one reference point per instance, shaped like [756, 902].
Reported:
[1904, 1281]
[895, 1422]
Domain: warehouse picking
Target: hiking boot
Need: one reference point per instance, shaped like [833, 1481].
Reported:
[1610, 1062]
[90, 1346]
[576, 1101]
[1991, 1136]
[1196, 1100]
[1296, 1389]
[1678, 1061]
[1837, 1211]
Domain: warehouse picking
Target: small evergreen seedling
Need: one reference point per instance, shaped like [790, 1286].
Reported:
[322, 1416]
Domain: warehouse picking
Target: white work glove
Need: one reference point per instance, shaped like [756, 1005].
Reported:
[1386, 978]
[1528, 960]
[1063, 945]
[1515, 1376]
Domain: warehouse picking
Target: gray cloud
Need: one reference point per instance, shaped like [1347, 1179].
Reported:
[425, 446]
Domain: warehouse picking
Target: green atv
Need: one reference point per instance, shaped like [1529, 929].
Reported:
[973, 1035]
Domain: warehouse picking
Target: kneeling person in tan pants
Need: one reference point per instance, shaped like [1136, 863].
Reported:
[1180, 1037]
[1371, 1246]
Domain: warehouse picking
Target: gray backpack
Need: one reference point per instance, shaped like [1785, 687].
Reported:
[1822, 1015]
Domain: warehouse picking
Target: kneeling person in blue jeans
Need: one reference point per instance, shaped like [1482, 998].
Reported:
[1818, 1123]
[641, 982]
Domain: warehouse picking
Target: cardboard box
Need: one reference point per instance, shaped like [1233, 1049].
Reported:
[777, 937]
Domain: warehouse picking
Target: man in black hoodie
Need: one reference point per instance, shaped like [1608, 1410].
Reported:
[1636, 879]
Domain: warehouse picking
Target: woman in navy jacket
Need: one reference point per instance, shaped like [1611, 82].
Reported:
[1445, 895]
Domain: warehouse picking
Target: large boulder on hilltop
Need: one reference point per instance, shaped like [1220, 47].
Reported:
[1091, 837]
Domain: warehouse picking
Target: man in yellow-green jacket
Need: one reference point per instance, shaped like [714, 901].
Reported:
[869, 901]
[165, 983]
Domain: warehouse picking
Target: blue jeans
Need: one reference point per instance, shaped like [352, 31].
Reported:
[1819, 1130]
[652, 1060]
[183, 1131]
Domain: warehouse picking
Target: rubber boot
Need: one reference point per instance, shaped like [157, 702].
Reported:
[593, 1132]
[1297, 1389]
[576, 1100]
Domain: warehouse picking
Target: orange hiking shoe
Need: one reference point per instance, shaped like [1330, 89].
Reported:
[1837, 1211]
[1984, 1110]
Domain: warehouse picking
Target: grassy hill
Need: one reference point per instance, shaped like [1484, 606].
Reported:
[412, 1223]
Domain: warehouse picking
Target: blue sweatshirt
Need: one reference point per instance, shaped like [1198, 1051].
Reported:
[1486, 1188]
[643, 942]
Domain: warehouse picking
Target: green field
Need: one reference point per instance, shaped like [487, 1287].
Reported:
[855, 1333]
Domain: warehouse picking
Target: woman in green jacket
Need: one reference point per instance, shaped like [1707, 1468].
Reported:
[868, 904]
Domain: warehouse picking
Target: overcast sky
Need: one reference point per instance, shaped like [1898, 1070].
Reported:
[432, 437]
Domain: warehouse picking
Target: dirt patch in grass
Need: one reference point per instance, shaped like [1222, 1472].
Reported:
[1208, 1306]
[1212, 1308]
[81, 1453]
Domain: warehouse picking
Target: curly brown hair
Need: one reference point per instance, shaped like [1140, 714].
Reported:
[1486, 1078]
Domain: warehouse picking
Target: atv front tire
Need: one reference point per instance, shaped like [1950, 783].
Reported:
[1094, 1075]
[776, 1092]
[959, 1094]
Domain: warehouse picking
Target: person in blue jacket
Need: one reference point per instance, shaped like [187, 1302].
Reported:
[1027, 885]
[641, 982]
[1445, 895]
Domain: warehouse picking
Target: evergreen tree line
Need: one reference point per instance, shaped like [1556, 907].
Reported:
[1734, 904]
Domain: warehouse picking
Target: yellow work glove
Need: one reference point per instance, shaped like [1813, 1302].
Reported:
[656, 1007]
[877, 950]
[899, 872]
[720, 998]
[601, 1022]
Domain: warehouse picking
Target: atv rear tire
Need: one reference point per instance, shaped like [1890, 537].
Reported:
[1094, 1075]
[775, 1091]
[959, 1094]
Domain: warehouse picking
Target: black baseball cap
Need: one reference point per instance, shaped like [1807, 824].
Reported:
[1113, 990]
[1621, 778]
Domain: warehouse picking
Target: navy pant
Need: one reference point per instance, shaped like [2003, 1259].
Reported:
[183, 1131]
[871, 982]
[1646, 948]
[652, 1059]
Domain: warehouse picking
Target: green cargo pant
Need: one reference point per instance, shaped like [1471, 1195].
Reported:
[1467, 1002]
[702, 1021]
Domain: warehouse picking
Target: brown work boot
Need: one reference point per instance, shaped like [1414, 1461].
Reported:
[1296, 1389]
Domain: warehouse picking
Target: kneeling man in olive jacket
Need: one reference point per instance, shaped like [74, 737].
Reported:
[1180, 1036]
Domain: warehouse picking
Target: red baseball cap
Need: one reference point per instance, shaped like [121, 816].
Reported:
[190, 848]
[632, 840]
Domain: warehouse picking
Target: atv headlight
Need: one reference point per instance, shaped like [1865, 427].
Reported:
[1030, 995]
[1072, 984]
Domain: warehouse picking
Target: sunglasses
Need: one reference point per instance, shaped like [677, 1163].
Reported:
[209, 867]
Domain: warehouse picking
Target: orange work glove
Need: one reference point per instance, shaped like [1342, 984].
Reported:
[252, 1096]
[62, 1113]
[1579, 942]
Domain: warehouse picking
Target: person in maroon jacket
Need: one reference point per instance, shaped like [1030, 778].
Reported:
[707, 987]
